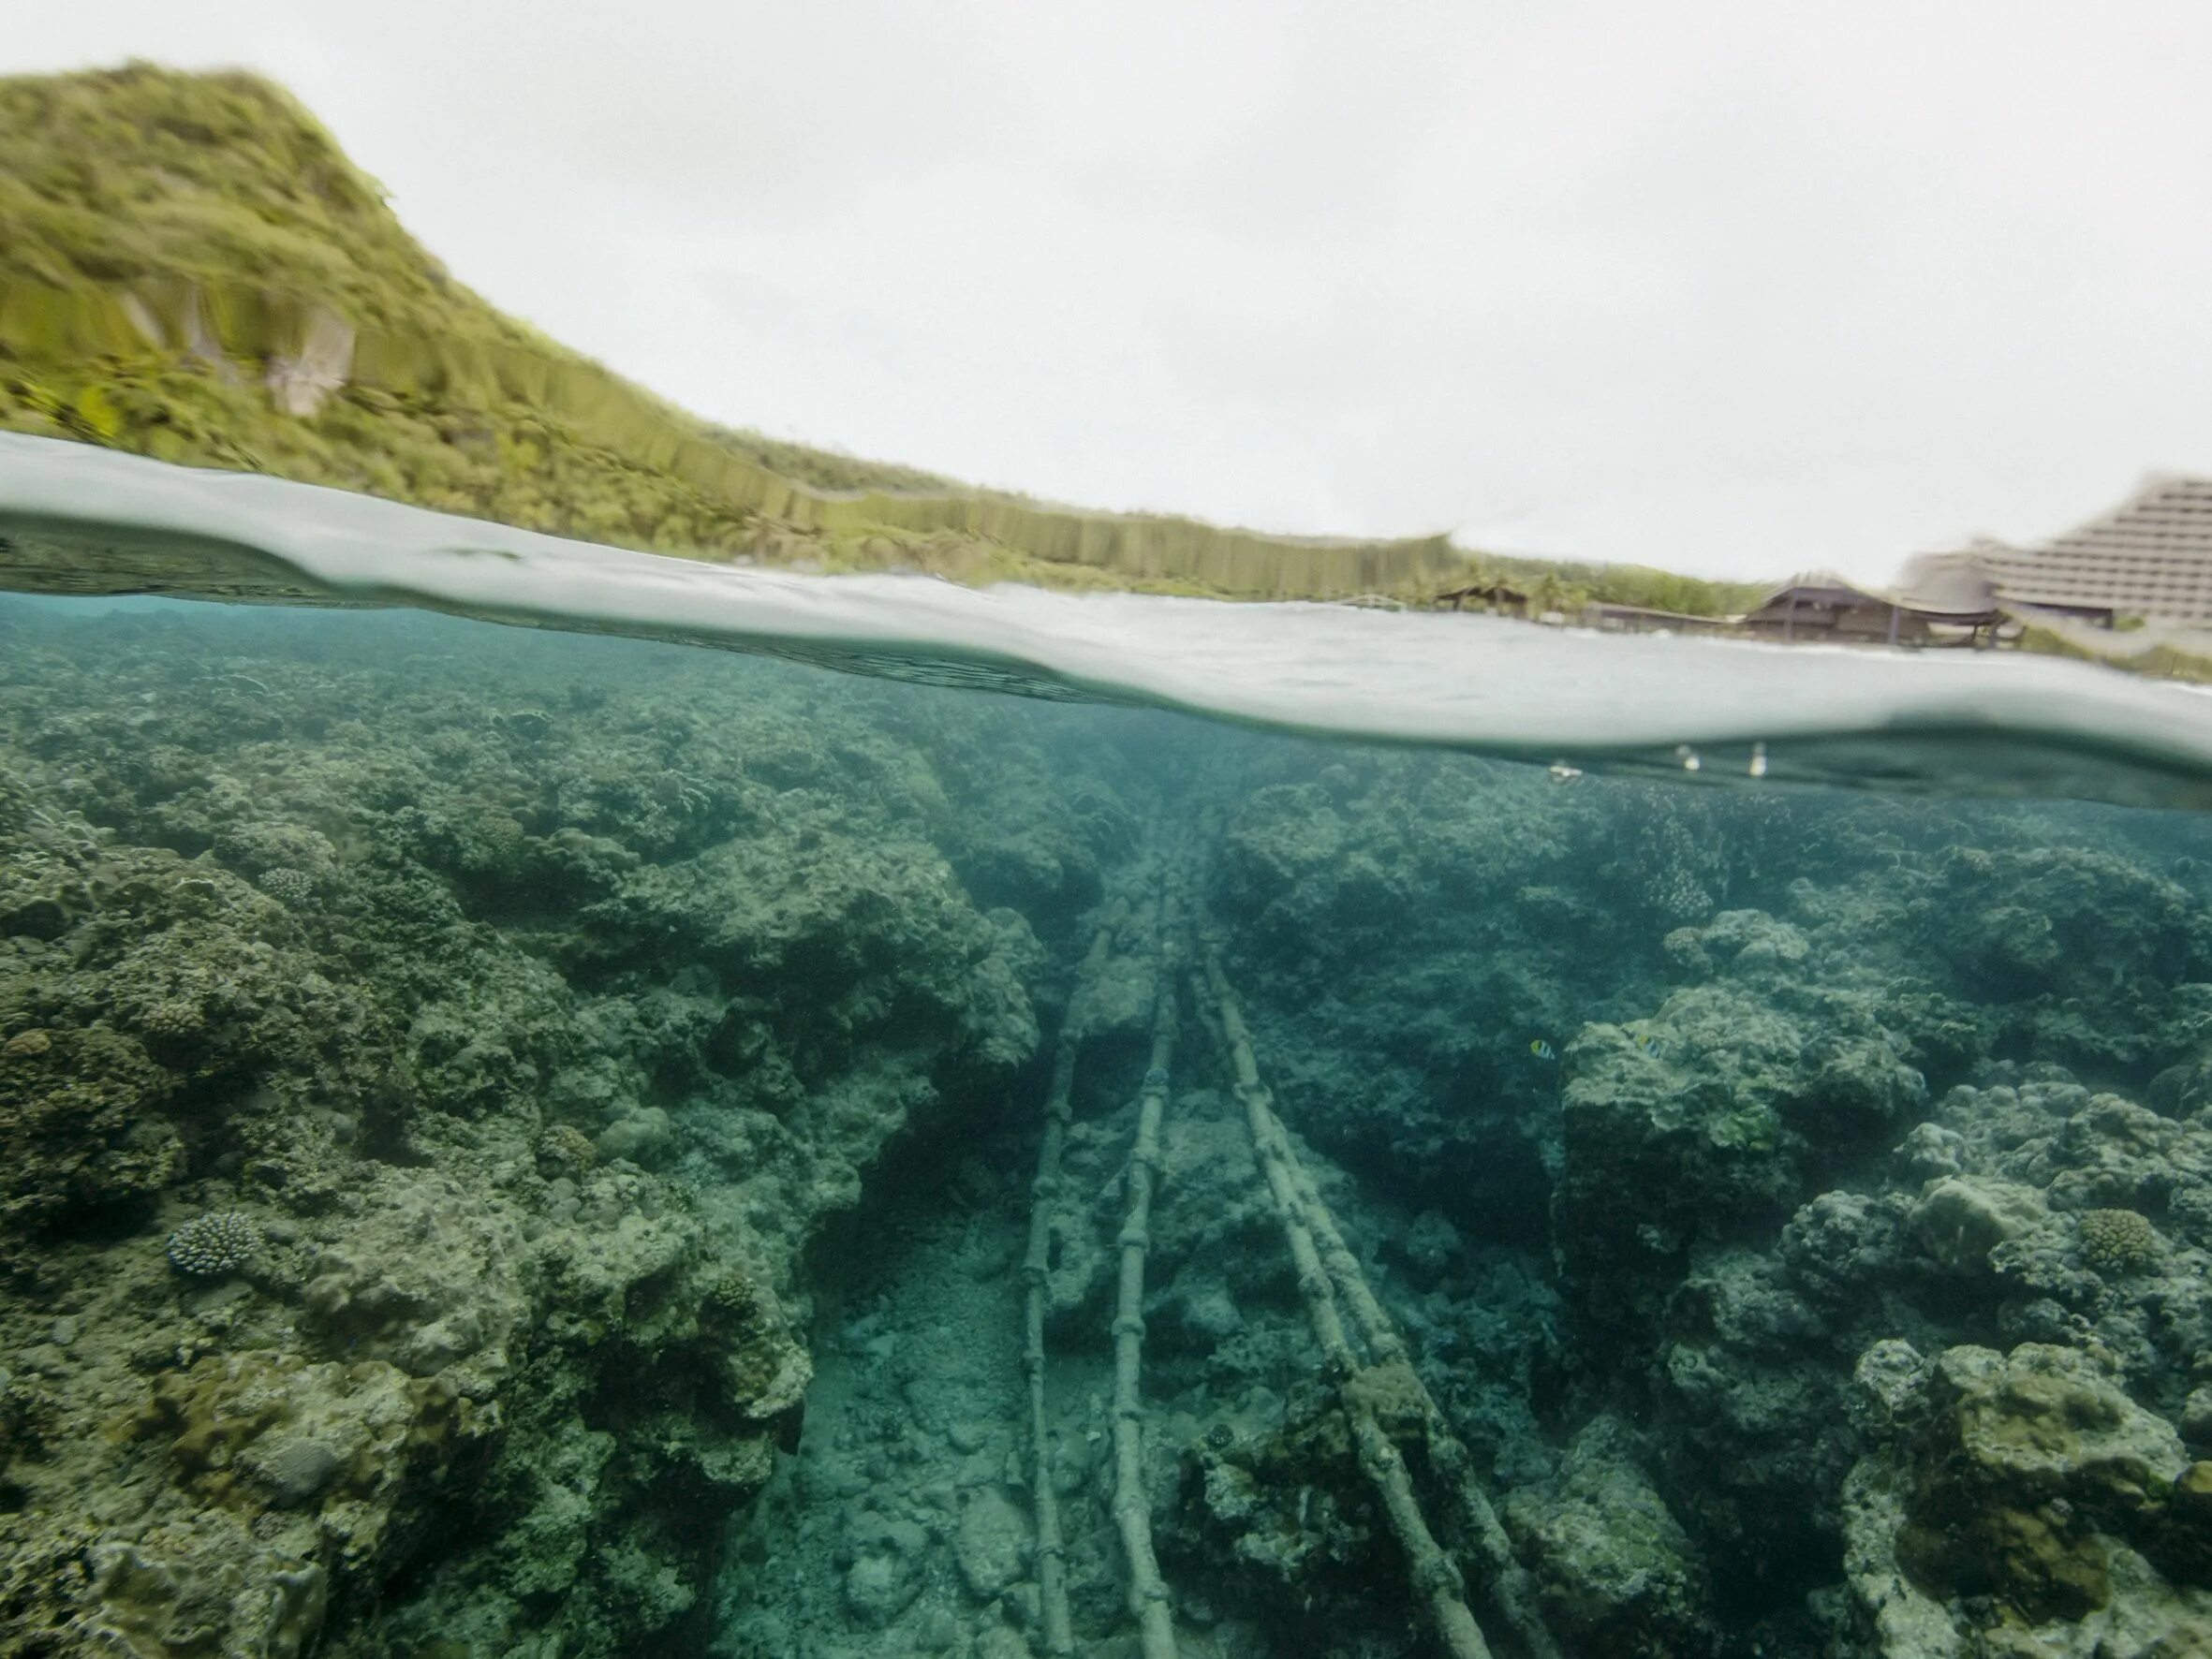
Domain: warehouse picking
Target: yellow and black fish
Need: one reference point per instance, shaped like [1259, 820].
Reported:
[1542, 1049]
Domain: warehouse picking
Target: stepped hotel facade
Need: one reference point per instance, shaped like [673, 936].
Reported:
[2151, 556]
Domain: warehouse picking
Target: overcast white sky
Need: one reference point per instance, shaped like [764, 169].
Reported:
[1729, 286]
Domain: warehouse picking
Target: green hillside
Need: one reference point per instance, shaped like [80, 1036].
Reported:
[193, 269]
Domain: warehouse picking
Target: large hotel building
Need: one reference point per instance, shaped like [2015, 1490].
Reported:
[2151, 556]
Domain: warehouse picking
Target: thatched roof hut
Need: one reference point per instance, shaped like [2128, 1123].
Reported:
[1500, 596]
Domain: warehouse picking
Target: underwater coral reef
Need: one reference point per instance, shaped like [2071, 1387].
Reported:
[525, 1144]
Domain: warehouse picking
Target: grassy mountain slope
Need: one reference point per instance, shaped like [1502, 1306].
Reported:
[192, 268]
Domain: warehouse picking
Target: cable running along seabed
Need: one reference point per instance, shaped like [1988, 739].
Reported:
[1052, 1550]
[1132, 1508]
[1329, 1272]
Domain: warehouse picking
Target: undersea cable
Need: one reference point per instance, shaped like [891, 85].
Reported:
[1509, 1585]
[1052, 1549]
[1132, 1509]
[1327, 1271]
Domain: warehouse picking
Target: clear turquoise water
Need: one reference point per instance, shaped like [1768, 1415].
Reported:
[525, 1141]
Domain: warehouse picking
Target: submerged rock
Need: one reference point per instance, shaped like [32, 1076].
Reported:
[1617, 1573]
[369, 956]
[2027, 1485]
[580, 1043]
[992, 1543]
[1960, 1219]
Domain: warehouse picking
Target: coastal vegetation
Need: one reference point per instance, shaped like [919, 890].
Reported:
[195, 270]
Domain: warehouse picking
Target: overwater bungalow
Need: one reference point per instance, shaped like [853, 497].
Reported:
[1820, 605]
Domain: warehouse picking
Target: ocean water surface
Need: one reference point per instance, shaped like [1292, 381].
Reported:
[1302, 1132]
